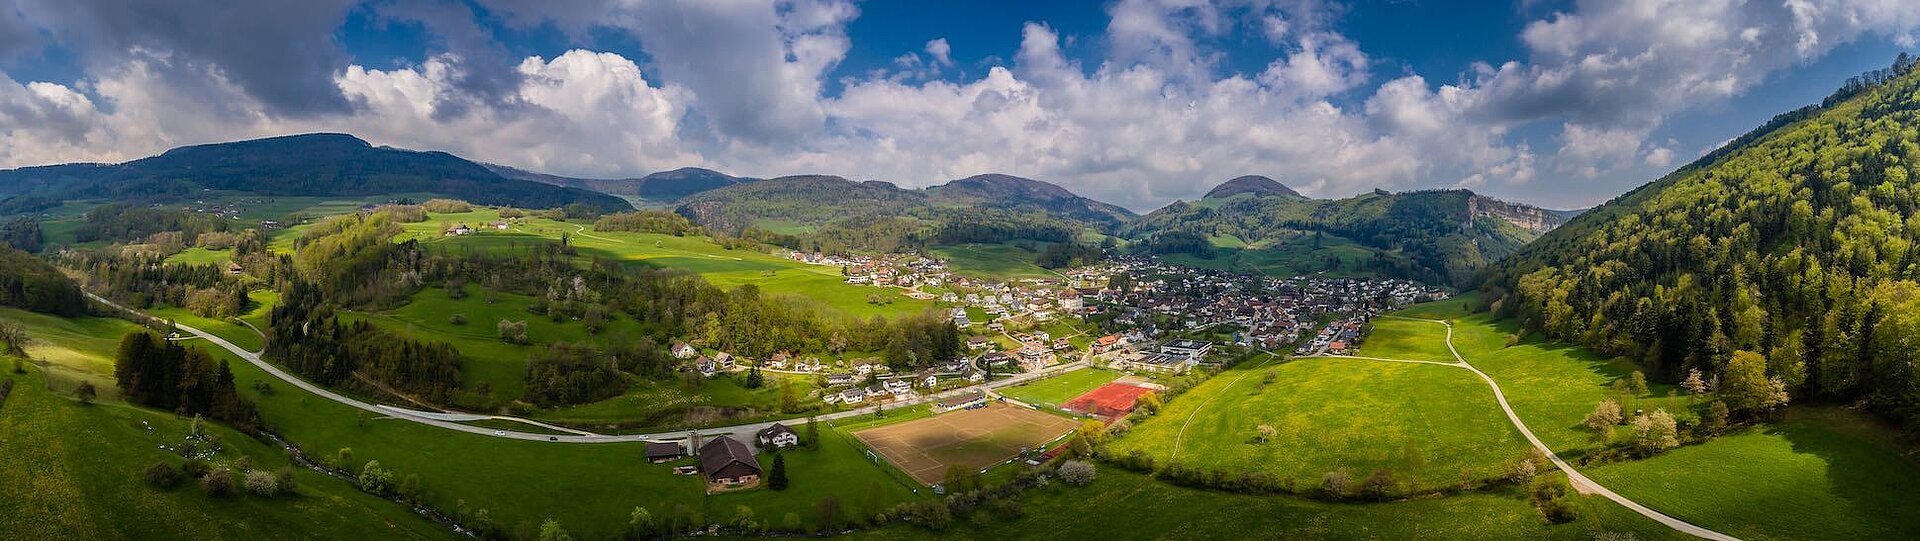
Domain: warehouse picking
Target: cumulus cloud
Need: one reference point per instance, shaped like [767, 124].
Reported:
[1154, 114]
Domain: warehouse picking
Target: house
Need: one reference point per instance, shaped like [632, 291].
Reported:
[899, 386]
[724, 359]
[1337, 347]
[658, 452]
[729, 465]
[930, 382]
[683, 350]
[979, 343]
[1105, 343]
[853, 396]
[1183, 347]
[233, 267]
[1061, 344]
[501, 225]
[961, 401]
[840, 379]
[459, 229]
[706, 366]
[777, 435]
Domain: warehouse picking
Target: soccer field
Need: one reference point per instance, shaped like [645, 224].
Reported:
[974, 438]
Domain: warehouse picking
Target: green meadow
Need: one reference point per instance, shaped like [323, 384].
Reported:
[1406, 339]
[1424, 423]
[1126, 505]
[1056, 390]
[994, 261]
[76, 471]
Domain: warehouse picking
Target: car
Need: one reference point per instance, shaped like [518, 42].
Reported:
[499, 432]
[553, 438]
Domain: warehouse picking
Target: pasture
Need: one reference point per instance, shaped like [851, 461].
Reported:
[1427, 424]
[993, 261]
[976, 439]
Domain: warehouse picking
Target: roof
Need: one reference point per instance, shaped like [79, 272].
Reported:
[720, 453]
[963, 399]
[775, 430]
[656, 449]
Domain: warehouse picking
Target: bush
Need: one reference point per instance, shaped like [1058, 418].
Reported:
[1336, 483]
[196, 468]
[457, 319]
[375, 479]
[217, 483]
[1077, 473]
[283, 479]
[262, 483]
[163, 475]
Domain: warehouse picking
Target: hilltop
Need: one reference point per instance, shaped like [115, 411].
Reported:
[1252, 184]
[320, 164]
[663, 186]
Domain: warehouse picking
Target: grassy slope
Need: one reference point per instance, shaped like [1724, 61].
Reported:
[75, 472]
[999, 261]
[1406, 339]
[74, 349]
[1425, 423]
[1821, 474]
[671, 404]
[1059, 389]
[229, 329]
[1123, 505]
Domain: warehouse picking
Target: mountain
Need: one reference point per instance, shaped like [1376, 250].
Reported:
[1024, 194]
[664, 186]
[1442, 236]
[833, 213]
[1791, 250]
[321, 164]
[1253, 184]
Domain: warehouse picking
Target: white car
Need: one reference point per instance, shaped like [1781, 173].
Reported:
[499, 432]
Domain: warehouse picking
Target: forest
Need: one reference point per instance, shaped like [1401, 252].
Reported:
[156, 373]
[1797, 247]
[28, 283]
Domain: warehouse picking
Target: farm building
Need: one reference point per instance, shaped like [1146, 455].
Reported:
[961, 401]
[728, 465]
[663, 452]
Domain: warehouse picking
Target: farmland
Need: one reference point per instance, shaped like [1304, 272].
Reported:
[973, 438]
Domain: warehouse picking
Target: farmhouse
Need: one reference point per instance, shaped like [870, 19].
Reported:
[777, 435]
[978, 343]
[961, 401]
[683, 350]
[728, 465]
[663, 452]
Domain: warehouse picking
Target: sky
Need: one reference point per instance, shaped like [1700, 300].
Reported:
[1563, 104]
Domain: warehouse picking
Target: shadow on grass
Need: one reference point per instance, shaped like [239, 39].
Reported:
[1865, 464]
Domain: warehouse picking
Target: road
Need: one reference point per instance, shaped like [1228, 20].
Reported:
[1580, 481]
[452, 421]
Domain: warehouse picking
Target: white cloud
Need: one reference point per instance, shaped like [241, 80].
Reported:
[941, 52]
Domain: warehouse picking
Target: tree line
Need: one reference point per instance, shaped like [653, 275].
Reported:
[154, 372]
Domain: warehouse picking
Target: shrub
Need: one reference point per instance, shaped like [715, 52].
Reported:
[283, 479]
[1378, 485]
[163, 475]
[375, 479]
[1077, 473]
[196, 468]
[457, 319]
[1550, 496]
[262, 483]
[1336, 483]
[217, 483]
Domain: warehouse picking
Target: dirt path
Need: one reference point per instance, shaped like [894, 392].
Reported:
[1580, 481]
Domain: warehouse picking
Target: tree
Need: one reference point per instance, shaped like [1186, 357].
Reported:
[15, 337]
[1655, 432]
[262, 483]
[163, 475]
[1077, 473]
[513, 332]
[375, 479]
[813, 433]
[1264, 433]
[551, 531]
[1336, 483]
[754, 379]
[85, 392]
[743, 518]
[1092, 430]
[1745, 386]
[1603, 418]
[217, 482]
[640, 523]
[1378, 484]
[1637, 383]
[1694, 384]
[829, 513]
[777, 477]
[1523, 470]
[1715, 420]
[1151, 402]
[1549, 495]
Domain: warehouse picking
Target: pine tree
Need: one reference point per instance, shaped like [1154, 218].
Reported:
[777, 477]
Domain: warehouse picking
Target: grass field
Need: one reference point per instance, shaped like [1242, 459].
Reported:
[232, 330]
[974, 438]
[74, 471]
[73, 350]
[654, 406]
[1056, 390]
[1406, 339]
[201, 256]
[993, 261]
[1425, 423]
[1296, 254]
[1824, 473]
[1125, 505]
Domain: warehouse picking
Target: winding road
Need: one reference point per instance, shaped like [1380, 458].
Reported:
[452, 421]
[1580, 481]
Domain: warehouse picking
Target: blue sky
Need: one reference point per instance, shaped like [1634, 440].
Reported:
[1139, 102]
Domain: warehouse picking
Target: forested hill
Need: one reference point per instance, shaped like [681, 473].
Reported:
[1253, 184]
[819, 212]
[1441, 236]
[1790, 251]
[664, 186]
[296, 165]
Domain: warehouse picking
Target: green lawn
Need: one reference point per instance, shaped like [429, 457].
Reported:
[74, 350]
[1824, 473]
[1406, 339]
[230, 329]
[76, 472]
[1124, 505]
[1059, 389]
[1425, 423]
[201, 256]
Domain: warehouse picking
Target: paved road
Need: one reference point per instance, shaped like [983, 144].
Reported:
[449, 421]
[1580, 481]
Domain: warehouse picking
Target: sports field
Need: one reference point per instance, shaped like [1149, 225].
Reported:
[973, 438]
[1110, 400]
